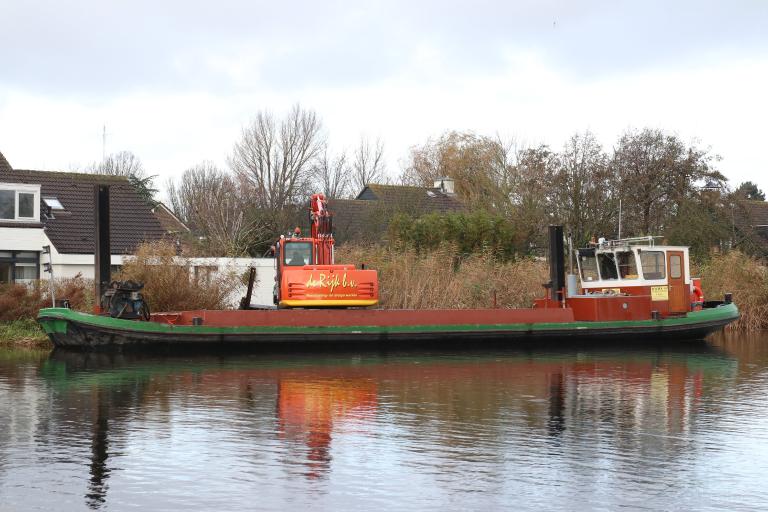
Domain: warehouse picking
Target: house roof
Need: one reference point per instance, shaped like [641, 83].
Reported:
[4, 165]
[72, 230]
[756, 212]
[414, 200]
[367, 217]
[170, 222]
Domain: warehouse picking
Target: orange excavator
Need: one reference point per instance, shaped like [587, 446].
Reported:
[308, 277]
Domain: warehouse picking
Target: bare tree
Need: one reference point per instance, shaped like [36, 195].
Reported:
[276, 157]
[216, 206]
[332, 174]
[128, 165]
[368, 164]
[123, 163]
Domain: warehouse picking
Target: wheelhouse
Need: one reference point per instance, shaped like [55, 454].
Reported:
[638, 266]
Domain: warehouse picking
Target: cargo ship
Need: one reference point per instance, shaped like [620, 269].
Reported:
[618, 290]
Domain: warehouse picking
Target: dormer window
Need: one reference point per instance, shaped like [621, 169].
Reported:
[19, 202]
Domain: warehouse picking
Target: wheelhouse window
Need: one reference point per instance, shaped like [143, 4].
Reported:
[19, 202]
[653, 264]
[627, 265]
[588, 265]
[607, 263]
[298, 254]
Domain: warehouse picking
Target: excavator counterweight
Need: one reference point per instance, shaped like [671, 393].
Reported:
[307, 275]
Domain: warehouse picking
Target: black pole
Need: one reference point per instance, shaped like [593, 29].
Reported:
[102, 264]
[556, 261]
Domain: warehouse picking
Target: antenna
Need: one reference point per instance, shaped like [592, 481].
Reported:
[619, 219]
[104, 144]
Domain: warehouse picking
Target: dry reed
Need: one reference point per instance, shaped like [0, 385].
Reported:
[442, 279]
[747, 279]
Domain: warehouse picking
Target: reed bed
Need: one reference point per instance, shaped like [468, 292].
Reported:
[747, 279]
[442, 278]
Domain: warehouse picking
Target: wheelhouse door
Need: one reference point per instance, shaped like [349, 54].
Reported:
[678, 298]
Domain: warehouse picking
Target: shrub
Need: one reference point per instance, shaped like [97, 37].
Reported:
[470, 233]
[170, 282]
[21, 301]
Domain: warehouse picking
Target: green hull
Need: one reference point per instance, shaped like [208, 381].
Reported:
[73, 329]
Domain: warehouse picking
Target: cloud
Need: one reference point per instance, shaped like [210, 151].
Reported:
[175, 81]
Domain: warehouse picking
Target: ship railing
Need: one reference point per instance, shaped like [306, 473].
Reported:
[649, 241]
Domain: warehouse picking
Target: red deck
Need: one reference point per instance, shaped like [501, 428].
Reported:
[362, 317]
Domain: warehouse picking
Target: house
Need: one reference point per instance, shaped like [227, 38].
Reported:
[367, 216]
[751, 223]
[56, 209]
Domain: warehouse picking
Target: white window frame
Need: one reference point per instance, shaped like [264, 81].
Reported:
[23, 188]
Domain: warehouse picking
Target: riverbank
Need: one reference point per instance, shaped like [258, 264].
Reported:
[22, 333]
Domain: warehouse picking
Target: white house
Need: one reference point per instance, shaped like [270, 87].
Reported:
[56, 209]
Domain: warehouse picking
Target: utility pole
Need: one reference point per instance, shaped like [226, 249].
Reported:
[104, 144]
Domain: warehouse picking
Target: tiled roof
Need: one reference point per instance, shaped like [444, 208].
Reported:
[756, 212]
[4, 165]
[367, 217]
[413, 200]
[170, 222]
[72, 231]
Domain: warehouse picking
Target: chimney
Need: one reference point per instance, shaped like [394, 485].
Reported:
[445, 185]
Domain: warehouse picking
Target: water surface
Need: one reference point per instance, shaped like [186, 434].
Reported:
[679, 426]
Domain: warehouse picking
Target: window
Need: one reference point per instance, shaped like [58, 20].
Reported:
[53, 203]
[588, 265]
[26, 205]
[7, 204]
[653, 264]
[298, 254]
[19, 202]
[675, 266]
[19, 266]
[607, 266]
[627, 265]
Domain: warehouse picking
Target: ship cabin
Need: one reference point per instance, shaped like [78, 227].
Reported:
[639, 267]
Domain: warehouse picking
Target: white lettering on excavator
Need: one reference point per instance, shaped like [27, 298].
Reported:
[330, 281]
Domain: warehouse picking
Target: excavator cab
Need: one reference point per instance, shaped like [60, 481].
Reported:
[307, 275]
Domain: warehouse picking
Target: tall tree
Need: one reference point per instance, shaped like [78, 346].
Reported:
[367, 164]
[658, 173]
[531, 182]
[277, 156]
[216, 207]
[749, 190]
[332, 174]
[125, 163]
[472, 161]
[583, 188]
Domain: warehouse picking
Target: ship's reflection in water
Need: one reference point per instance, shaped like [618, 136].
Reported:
[582, 428]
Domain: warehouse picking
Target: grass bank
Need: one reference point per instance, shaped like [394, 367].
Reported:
[22, 333]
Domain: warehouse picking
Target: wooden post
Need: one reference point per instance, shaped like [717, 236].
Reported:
[102, 253]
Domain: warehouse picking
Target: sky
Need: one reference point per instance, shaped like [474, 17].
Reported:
[175, 81]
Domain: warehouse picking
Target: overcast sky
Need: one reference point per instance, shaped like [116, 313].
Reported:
[175, 81]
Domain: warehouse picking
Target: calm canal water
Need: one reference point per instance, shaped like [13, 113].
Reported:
[675, 427]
